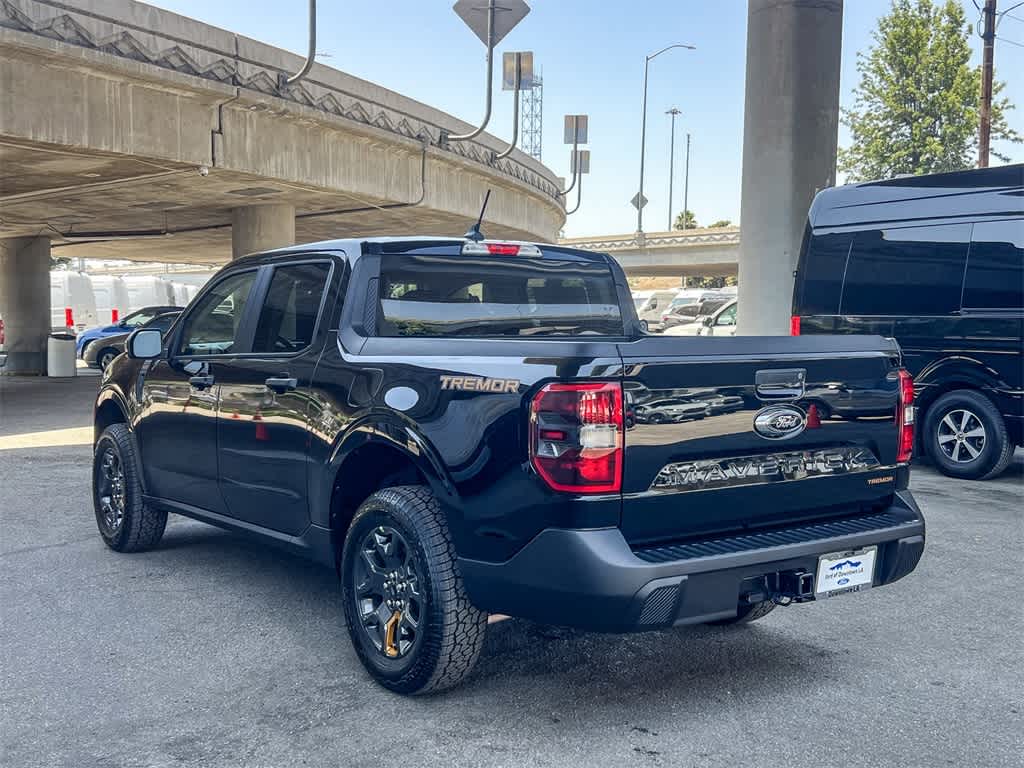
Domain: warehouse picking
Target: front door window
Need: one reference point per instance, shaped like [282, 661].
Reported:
[212, 328]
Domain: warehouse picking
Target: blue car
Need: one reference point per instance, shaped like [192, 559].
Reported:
[128, 323]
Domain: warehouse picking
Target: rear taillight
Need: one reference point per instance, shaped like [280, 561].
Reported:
[3, 334]
[114, 314]
[794, 325]
[576, 437]
[905, 418]
[69, 317]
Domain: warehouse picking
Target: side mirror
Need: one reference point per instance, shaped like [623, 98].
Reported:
[709, 320]
[654, 303]
[644, 326]
[145, 344]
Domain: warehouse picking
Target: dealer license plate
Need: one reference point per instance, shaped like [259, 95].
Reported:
[845, 572]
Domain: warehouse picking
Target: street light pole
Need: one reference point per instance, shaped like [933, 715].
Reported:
[686, 182]
[643, 131]
[671, 164]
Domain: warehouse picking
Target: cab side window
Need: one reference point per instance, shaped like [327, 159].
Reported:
[212, 327]
[289, 313]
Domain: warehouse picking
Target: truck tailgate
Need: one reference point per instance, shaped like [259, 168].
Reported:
[725, 434]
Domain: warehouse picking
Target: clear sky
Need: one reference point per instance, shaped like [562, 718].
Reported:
[592, 56]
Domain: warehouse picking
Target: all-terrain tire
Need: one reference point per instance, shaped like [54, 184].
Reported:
[451, 630]
[996, 450]
[747, 614]
[125, 521]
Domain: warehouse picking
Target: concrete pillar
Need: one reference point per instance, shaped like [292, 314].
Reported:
[261, 228]
[790, 131]
[25, 302]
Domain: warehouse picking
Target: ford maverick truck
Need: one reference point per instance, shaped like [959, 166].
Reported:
[463, 427]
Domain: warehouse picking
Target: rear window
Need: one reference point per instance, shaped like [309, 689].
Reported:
[438, 295]
[995, 268]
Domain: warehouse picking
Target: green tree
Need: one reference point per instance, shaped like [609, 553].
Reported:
[688, 217]
[720, 223]
[916, 108]
[59, 262]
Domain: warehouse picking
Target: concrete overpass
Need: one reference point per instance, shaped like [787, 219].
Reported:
[693, 253]
[127, 131]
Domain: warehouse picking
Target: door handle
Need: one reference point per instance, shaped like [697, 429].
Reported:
[281, 384]
[201, 382]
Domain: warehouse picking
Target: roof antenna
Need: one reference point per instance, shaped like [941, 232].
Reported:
[474, 232]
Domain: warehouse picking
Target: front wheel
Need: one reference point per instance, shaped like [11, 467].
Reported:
[408, 616]
[125, 521]
[966, 437]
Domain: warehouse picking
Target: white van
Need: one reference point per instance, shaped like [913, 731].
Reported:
[72, 302]
[111, 298]
[650, 304]
[148, 291]
[183, 293]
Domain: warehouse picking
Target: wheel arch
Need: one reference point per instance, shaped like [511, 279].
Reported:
[110, 409]
[375, 454]
[950, 374]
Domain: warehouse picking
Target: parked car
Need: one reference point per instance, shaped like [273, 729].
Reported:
[650, 304]
[129, 323]
[444, 422]
[72, 302]
[720, 314]
[692, 313]
[101, 352]
[937, 262]
[689, 297]
[721, 322]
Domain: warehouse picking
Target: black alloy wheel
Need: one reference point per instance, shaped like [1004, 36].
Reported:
[110, 492]
[386, 589]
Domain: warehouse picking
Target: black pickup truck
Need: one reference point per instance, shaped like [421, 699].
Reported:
[458, 427]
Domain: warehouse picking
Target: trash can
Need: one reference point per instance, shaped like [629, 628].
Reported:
[60, 355]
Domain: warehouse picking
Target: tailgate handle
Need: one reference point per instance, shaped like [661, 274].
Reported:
[780, 384]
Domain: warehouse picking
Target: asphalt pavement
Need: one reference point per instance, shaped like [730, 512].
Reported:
[218, 651]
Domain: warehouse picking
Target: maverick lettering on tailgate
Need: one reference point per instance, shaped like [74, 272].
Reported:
[769, 468]
[479, 384]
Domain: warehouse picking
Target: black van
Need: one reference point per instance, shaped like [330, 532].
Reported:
[936, 262]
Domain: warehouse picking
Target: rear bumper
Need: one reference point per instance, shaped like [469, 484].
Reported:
[591, 579]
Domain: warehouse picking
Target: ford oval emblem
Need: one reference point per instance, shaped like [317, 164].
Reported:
[780, 422]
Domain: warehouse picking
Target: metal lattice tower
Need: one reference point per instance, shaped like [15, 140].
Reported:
[533, 117]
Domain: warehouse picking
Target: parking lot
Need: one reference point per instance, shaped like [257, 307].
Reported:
[216, 651]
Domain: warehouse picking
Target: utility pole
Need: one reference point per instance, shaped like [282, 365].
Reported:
[985, 128]
[686, 182]
[671, 165]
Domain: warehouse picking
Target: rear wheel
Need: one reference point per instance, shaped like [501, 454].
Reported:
[966, 437]
[407, 612]
[105, 358]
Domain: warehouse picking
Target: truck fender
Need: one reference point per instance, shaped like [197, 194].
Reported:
[390, 430]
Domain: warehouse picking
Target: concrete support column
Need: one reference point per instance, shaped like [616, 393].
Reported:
[261, 228]
[25, 302]
[790, 131]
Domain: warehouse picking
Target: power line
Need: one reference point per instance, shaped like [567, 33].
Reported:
[1011, 42]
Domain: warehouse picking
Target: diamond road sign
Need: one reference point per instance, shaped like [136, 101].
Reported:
[638, 201]
[507, 13]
